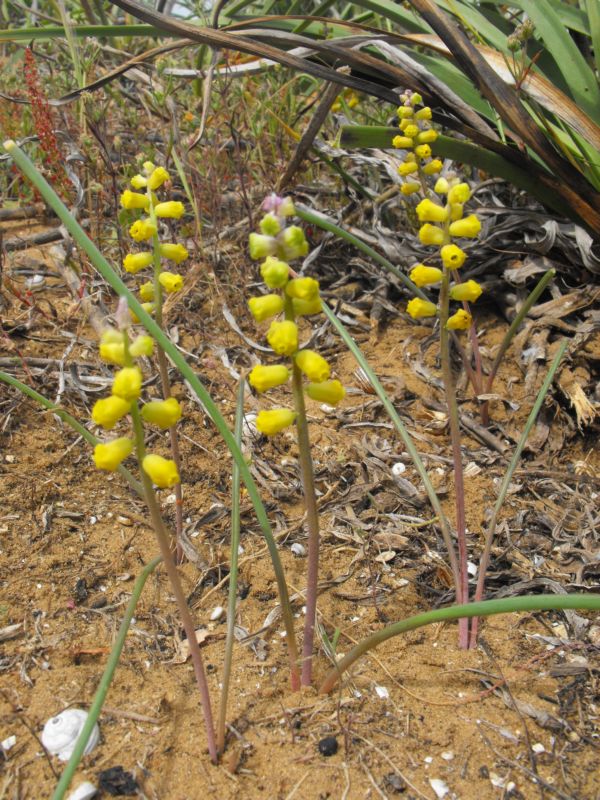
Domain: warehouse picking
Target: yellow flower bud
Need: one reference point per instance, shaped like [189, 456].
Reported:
[468, 227]
[402, 142]
[141, 346]
[283, 337]
[330, 392]
[427, 137]
[292, 243]
[108, 411]
[139, 182]
[134, 262]
[468, 291]
[452, 256]
[275, 273]
[263, 378]
[415, 99]
[434, 166]
[174, 252]
[128, 383]
[302, 288]
[459, 193]
[161, 471]
[405, 112]
[268, 305]
[423, 113]
[423, 151]
[149, 308]
[261, 246]
[410, 187]
[411, 130]
[421, 275]
[131, 200]
[164, 413]
[408, 168]
[274, 421]
[113, 353]
[147, 291]
[429, 234]
[461, 321]
[148, 167]
[270, 225]
[171, 209]
[304, 308]
[142, 230]
[313, 365]
[456, 211]
[421, 308]
[157, 178]
[427, 211]
[108, 455]
[441, 186]
[170, 281]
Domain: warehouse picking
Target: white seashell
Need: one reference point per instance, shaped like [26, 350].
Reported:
[84, 791]
[298, 549]
[60, 733]
[398, 469]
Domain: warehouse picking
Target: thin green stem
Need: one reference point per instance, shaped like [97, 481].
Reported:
[105, 681]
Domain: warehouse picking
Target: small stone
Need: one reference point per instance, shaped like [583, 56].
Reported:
[394, 783]
[216, 613]
[382, 692]
[538, 748]
[127, 521]
[10, 459]
[84, 791]
[328, 746]
[298, 549]
[398, 468]
[439, 786]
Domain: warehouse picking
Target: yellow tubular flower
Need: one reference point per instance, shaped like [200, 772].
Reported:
[148, 167]
[423, 113]
[456, 211]
[313, 365]
[283, 337]
[405, 112]
[408, 168]
[108, 411]
[459, 193]
[131, 200]
[134, 262]
[128, 383]
[304, 308]
[139, 182]
[429, 234]
[427, 137]
[468, 227]
[266, 306]
[441, 186]
[421, 308]
[415, 99]
[410, 187]
[147, 291]
[170, 282]
[261, 246]
[292, 243]
[157, 178]
[171, 209]
[434, 166]
[164, 413]
[142, 230]
[142, 346]
[272, 422]
[411, 131]
[149, 308]
[275, 273]
[423, 151]
[452, 256]
[108, 455]
[264, 378]
[422, 275]
[113, 353]
[402, 142]
[469, 291]
[330, 392]
[432, 212]
[174, 252]
[270, 225]
[461, 321]
[302, 288]
[161, 471]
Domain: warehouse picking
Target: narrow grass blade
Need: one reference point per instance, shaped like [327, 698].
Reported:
[82, 32]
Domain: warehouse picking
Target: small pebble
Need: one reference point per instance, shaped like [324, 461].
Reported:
[10, 459]
[125, 521]
[84, 791]
[538, 748]
[328, 746]
[439, 787]
[382, 692]
[399, 468]
[298, 549]
[216, 613]
[9, 742]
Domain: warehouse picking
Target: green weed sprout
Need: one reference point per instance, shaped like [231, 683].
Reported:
[297, 297]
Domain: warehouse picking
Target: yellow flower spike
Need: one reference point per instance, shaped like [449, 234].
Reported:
[271, 422]
[411, 130]
[302, 288]
[410, 187]
[427, 137]
[427, 211]
[275, 273]
[405, 112]
[452, 256]
[174, 252]
[469, 291]
[468, 227]
[422, 275]
[434, 166]
[456, 211]
[128, 383]
[132, 200]
[283, 337]
[330, 392]
[170, 282]
[304, 308]
[423, 151]
[142, 346]
[157, 178]
[164, 413]
[429, 234]
[108, 455]
[261, 246]
[418, 308]
[264, 378]
[134, 262]
[459, 193]
[402, 142]
[292, 243]
[415, 99]
[408, 168]
[441, 186]
[161, 471]
[423, 113]
[108, 411]
[171, 209]
[149, 308]
[270, 225]
[142, 230]
[148, 167]
[147, 291]
[461, 321]
[266, 306]
[139, 182]
[313, 365]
